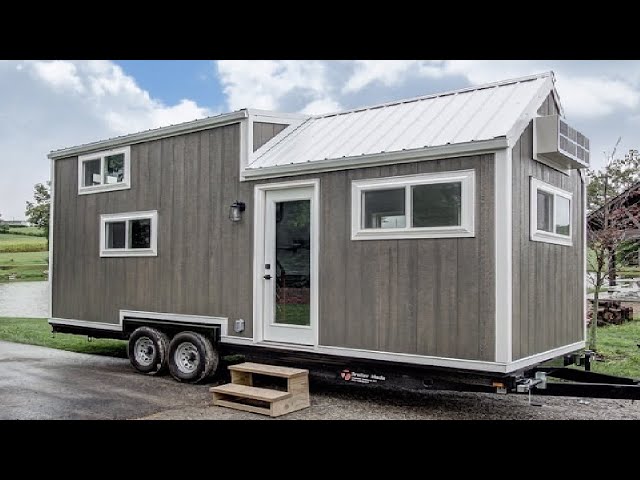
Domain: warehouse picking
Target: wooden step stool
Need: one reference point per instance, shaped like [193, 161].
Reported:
[270, 402]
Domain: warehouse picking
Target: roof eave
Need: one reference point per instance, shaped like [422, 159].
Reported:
[382, 158]
[155, 134]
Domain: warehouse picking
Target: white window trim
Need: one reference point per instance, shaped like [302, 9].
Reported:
[541, 235]
[465, 229]
[129, 252]
[105, 187]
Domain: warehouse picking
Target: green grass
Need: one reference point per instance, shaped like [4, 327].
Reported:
[25, 265]
[36, 331]
[618, 345]
[27, 231]
[292, 314]
[21, 243]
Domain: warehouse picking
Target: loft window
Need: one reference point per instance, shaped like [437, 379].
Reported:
[104, 171]
[429, 205]
[129, 234]
[550, 213]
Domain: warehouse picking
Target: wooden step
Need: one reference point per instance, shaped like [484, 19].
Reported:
[254, 393]
[271, 370]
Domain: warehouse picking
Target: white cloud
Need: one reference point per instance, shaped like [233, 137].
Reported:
[389, 72]
[269, 84]
[323, 105]
[592, 97]
[47, 105]
[59, 75]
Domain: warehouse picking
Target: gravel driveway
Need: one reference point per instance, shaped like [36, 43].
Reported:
[42, 383]
[356, 403]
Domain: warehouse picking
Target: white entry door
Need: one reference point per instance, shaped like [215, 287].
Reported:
[288, 273]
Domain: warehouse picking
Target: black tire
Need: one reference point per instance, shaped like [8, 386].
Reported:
[192, 357]
[157, 347]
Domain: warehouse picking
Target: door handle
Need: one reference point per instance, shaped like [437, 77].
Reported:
[267, 277]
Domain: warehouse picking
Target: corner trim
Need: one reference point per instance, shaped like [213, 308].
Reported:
[52, 173]
[503, 255]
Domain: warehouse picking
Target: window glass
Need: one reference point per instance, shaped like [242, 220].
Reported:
[114, 168]
[563, 209]
[384, 208]
[91, 173]
[116, 234]
[437, 204]
[545, 211]
[140, 233]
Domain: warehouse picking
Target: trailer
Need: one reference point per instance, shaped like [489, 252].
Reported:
[444, 233]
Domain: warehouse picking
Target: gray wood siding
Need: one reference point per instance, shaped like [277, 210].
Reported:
[548, 306]
[263, 132]
[419, 296]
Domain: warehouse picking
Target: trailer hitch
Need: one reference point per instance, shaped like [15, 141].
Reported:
[526, 385]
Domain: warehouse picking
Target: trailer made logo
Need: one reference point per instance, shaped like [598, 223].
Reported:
[358, 377]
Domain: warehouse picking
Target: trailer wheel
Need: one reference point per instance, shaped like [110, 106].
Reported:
[192, 357]
[147, 350]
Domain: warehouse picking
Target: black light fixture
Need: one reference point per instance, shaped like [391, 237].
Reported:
[235, 211]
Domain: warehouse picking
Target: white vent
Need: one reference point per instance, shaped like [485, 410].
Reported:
[557, 142]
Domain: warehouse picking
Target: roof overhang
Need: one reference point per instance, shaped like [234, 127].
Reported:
[385, 158]
[155, 134]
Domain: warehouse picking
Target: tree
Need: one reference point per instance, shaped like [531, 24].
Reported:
[615, 211]
[3, 226]
[37, 212]
[619, 175]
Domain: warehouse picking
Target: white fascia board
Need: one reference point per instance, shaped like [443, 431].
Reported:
[530, 111]
[384, 158]
[155, 134]
[275, 117]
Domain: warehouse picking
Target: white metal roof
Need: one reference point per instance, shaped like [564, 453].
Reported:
[476, 114]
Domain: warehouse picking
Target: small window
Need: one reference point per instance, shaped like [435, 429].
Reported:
[129, 234]
[430, 205]
[104, 171]
[550, 213]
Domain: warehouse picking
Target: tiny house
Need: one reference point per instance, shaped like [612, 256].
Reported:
[445, 231]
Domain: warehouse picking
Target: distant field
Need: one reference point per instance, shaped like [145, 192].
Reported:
[26, 231]
[21, 243]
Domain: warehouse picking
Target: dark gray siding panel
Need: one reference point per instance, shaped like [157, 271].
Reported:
[419, 296]
[548, 306]
[204, 262]
[263, 132]
[410, 296]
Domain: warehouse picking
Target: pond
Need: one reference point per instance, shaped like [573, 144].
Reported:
[24, 299]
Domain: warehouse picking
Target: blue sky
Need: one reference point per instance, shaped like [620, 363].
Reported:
[46, 105]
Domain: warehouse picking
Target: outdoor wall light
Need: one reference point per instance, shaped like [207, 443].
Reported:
[235, 211]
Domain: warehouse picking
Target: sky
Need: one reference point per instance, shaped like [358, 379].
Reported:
[47, 105]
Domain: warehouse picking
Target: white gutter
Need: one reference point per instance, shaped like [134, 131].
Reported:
[180, 129]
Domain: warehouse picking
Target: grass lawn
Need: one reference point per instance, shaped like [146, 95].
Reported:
[25, 265]
[618, 344]
[36, 331]
[292, 314]
[21, 243]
